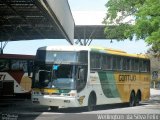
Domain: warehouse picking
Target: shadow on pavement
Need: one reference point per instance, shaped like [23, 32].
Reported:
[19, 108]
[25, 110]
[98, 107]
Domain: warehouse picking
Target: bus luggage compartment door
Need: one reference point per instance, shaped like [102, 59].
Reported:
[8, 88]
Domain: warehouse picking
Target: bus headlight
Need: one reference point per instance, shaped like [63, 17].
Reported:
[69, 94]
[65, 94]
[36, 93]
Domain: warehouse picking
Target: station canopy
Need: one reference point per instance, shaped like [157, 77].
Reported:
[42, 19]
[35, 19]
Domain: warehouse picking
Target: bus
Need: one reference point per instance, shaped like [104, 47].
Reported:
[15, 74]
[79, 76]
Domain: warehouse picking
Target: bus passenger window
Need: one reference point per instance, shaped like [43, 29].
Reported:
[107, 62]
[144, 66]
[23, 65]
[95, 61]
[19, 65]
[116, 63]
[126, 64]
[4, 65]
[135, 65]
[15, 65]
[119, 63]
[83, 57]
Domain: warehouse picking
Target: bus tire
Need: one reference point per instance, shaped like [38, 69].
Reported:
[53, 108]
[91, 101]
[138, 98]
[132, 99]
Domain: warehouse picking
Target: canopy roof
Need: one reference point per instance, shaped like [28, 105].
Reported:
[35, 19]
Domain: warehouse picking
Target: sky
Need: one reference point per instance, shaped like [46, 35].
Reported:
[85, 12]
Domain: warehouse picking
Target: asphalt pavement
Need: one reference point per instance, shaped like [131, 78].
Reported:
[17, 109]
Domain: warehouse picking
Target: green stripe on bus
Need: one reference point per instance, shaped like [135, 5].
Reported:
[108, 84]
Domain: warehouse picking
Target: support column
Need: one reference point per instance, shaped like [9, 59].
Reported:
[3, 46]
[84, 42]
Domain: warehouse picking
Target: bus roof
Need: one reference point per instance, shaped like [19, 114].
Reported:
[118, 52]
[64, 48]
[16, 56]
[93, 48]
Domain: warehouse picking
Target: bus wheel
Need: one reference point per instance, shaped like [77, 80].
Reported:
[91, 102]
[53, 108]
[132, 100]
[138, 98]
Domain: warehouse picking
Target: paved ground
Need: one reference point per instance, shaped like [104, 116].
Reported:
[23, 109]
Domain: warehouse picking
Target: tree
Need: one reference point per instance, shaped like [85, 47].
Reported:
[138, 19]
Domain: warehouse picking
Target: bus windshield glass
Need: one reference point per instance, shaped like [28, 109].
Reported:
[62, 78]
[65, 62]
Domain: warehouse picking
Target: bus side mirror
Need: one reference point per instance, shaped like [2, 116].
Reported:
[81, 74]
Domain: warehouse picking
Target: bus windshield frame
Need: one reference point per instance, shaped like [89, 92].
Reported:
[62, 78]
[58, 57]
[67, 72]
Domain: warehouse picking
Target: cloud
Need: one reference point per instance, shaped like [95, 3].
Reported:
[88, 17]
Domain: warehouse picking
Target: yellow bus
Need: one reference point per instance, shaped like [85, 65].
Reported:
[78, 76]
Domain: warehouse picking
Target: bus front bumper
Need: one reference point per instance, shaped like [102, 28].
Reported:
[59, 101]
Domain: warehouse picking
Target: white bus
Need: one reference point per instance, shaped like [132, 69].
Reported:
[77, 76]
[15, 74]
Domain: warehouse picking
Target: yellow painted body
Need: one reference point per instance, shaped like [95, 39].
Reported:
[47, 91]
[129, 81]
[126, 82]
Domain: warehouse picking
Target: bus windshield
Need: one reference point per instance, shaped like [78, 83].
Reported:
[65, 76]
[62, 78]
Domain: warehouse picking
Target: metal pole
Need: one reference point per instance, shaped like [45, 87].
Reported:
[1, 49]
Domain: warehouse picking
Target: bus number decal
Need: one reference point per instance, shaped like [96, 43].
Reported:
[2, 77]
[127, 78]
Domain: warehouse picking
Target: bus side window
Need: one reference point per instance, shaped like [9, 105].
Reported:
[15, 64]
[144, 66]
[135, 65]
[116, 63]
[4, 65]
[106, 62]
[126, 64]
[19, 65]
[81, 78]
[23, 65]
[95, 60]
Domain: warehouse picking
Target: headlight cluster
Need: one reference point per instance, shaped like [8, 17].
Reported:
[65, 94]
[69, 94]
[36, 93]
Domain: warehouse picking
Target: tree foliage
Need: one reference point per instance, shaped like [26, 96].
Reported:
[134, 18]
